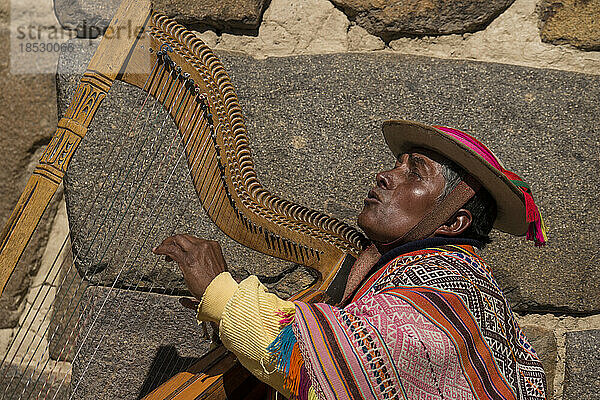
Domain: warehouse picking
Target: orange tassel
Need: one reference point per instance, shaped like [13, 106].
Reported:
[292, 380]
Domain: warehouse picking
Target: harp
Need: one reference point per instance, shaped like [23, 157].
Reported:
[180, 72]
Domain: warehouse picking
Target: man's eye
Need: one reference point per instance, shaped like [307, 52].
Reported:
[416, 173]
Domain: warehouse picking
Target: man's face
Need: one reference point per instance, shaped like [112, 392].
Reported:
[402, 196]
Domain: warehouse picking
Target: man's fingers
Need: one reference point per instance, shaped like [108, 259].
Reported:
[165, 248]
[184, 241]
[200, 261]
[163, 245]
[170, 250]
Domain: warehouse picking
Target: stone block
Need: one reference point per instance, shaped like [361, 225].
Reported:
[539, 122]
[543, 342]
[90, 18]
[360, 40]
[314, 125]
[28, 120]
[298, 26]
[131, 343]
[221, 14]
[570, 22]
[390, 20]
[582, 364]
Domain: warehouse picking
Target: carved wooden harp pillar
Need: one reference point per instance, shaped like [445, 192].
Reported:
[182, 73]
[49, 173]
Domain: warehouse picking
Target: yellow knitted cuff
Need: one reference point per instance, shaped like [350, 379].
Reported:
[250, 322]
[215, 298]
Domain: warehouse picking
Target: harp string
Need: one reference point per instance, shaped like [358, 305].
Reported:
[203, 155]
[67, 288]
[34, 317]
[169, 364]
[187, 143]
[176, 115]
[155, 239]
[166, 364]
[19, 332]
[165, 186]
[37, 347]
[16, 336]
[127, 173]
[83, 312]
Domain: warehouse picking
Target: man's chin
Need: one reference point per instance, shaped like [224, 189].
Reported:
[373, 226]
[363, 222]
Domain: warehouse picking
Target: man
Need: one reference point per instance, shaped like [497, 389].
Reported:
[422, 316]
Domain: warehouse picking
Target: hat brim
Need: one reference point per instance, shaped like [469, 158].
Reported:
[403, 136]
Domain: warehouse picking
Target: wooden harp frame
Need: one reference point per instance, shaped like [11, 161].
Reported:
[218, 159]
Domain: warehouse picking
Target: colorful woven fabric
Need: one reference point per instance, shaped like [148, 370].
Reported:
[431, 324]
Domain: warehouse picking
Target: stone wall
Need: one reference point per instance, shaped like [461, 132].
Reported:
[322, 75]
[28, 119]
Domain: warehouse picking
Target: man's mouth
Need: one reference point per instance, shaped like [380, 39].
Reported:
[372, 197]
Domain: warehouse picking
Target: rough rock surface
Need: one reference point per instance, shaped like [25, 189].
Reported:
[135, 342]
[314, 125]
[66, 312]
[502, 42]
[28, 120]
[544, 343]
[90, 18]
[295, 26]
[333, 126]
[392, 19]
[223, 14]
[43, 383]
[582, 365]
[571, 22]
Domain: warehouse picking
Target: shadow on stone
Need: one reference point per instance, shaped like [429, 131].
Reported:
[165, 364]
[132, 342]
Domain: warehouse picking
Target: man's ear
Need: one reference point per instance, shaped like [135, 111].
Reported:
[455, 226]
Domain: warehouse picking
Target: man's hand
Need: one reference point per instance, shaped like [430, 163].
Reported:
[200, 260]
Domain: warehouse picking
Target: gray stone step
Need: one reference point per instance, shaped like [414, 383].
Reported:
[136, 341]
[314, 124]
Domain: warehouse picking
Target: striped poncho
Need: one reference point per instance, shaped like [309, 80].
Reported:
[429, 324]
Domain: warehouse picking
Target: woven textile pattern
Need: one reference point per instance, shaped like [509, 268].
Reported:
[432, 324]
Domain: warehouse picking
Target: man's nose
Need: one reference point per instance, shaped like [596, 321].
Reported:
[383, 179]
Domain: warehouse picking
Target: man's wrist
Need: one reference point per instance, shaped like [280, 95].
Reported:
[216, 297]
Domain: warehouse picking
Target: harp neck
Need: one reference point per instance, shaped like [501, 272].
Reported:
[204, 106]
